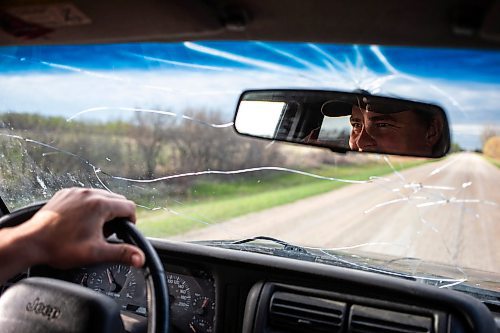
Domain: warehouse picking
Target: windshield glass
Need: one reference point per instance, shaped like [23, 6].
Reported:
[154, 122]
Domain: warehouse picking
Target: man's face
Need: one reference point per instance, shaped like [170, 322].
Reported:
[397, 133]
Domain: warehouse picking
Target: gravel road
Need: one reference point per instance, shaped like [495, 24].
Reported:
[446, 212]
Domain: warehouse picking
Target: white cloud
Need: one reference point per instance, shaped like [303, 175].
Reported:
[177, 90]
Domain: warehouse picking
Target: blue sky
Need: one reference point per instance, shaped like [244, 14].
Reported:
[482, 65]
[65, 80]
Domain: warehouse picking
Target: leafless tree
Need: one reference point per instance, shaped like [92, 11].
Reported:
[201, 146]
[488, 132]
[151, 132]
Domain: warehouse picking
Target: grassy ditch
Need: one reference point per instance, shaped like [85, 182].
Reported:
[215, 202]
[494, 161]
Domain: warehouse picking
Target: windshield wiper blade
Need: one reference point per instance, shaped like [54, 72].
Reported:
[286, 246]
[284, 249]
[251, 239]
[296, 252]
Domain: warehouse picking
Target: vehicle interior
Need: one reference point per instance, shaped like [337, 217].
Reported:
[226, 286]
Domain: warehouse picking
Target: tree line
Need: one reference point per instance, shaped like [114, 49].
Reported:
[60, 153]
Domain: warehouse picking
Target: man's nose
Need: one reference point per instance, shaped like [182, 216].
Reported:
[365, 140]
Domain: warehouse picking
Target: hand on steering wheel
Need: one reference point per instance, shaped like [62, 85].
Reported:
[72, 301]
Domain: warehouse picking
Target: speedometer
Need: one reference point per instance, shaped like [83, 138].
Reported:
[180, 292]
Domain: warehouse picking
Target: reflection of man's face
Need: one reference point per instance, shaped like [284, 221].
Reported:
[398, 133]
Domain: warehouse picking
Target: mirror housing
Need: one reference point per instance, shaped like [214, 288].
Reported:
[344, 121]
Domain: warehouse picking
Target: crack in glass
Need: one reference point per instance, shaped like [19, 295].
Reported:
[184, 165]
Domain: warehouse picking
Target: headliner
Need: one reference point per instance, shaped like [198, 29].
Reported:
[448, 23]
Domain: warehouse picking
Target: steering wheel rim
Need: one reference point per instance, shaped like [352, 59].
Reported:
[154, 273]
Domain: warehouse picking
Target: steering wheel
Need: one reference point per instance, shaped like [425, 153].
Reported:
[43, 305]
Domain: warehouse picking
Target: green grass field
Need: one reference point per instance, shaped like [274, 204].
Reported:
[493, 161]
[216, 202]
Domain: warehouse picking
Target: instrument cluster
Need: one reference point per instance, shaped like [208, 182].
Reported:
[191, 292]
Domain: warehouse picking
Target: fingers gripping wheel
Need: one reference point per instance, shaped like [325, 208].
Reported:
[59, 306]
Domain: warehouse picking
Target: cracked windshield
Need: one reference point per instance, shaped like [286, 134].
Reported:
[154, 122]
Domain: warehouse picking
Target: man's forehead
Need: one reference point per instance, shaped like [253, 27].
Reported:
[356, 110]
[361, 115]
[383, 108]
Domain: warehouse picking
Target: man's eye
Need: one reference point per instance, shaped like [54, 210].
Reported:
[380, 125]
[356, 125]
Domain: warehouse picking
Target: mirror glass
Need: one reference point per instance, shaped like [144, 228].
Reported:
[343, 121]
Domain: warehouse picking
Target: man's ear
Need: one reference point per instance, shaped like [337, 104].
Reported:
[434, 131]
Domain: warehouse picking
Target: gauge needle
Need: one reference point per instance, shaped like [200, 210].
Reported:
[204, 304]
[192, 328]
[117, 287]
[110, 278]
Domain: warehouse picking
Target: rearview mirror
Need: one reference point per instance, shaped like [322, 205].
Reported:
[343, 121]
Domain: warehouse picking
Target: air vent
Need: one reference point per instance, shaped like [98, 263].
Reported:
[301, 313]
[370, 320]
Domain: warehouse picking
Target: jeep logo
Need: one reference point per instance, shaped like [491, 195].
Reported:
[45, 310]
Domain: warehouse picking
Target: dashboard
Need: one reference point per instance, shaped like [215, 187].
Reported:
[213, 289]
